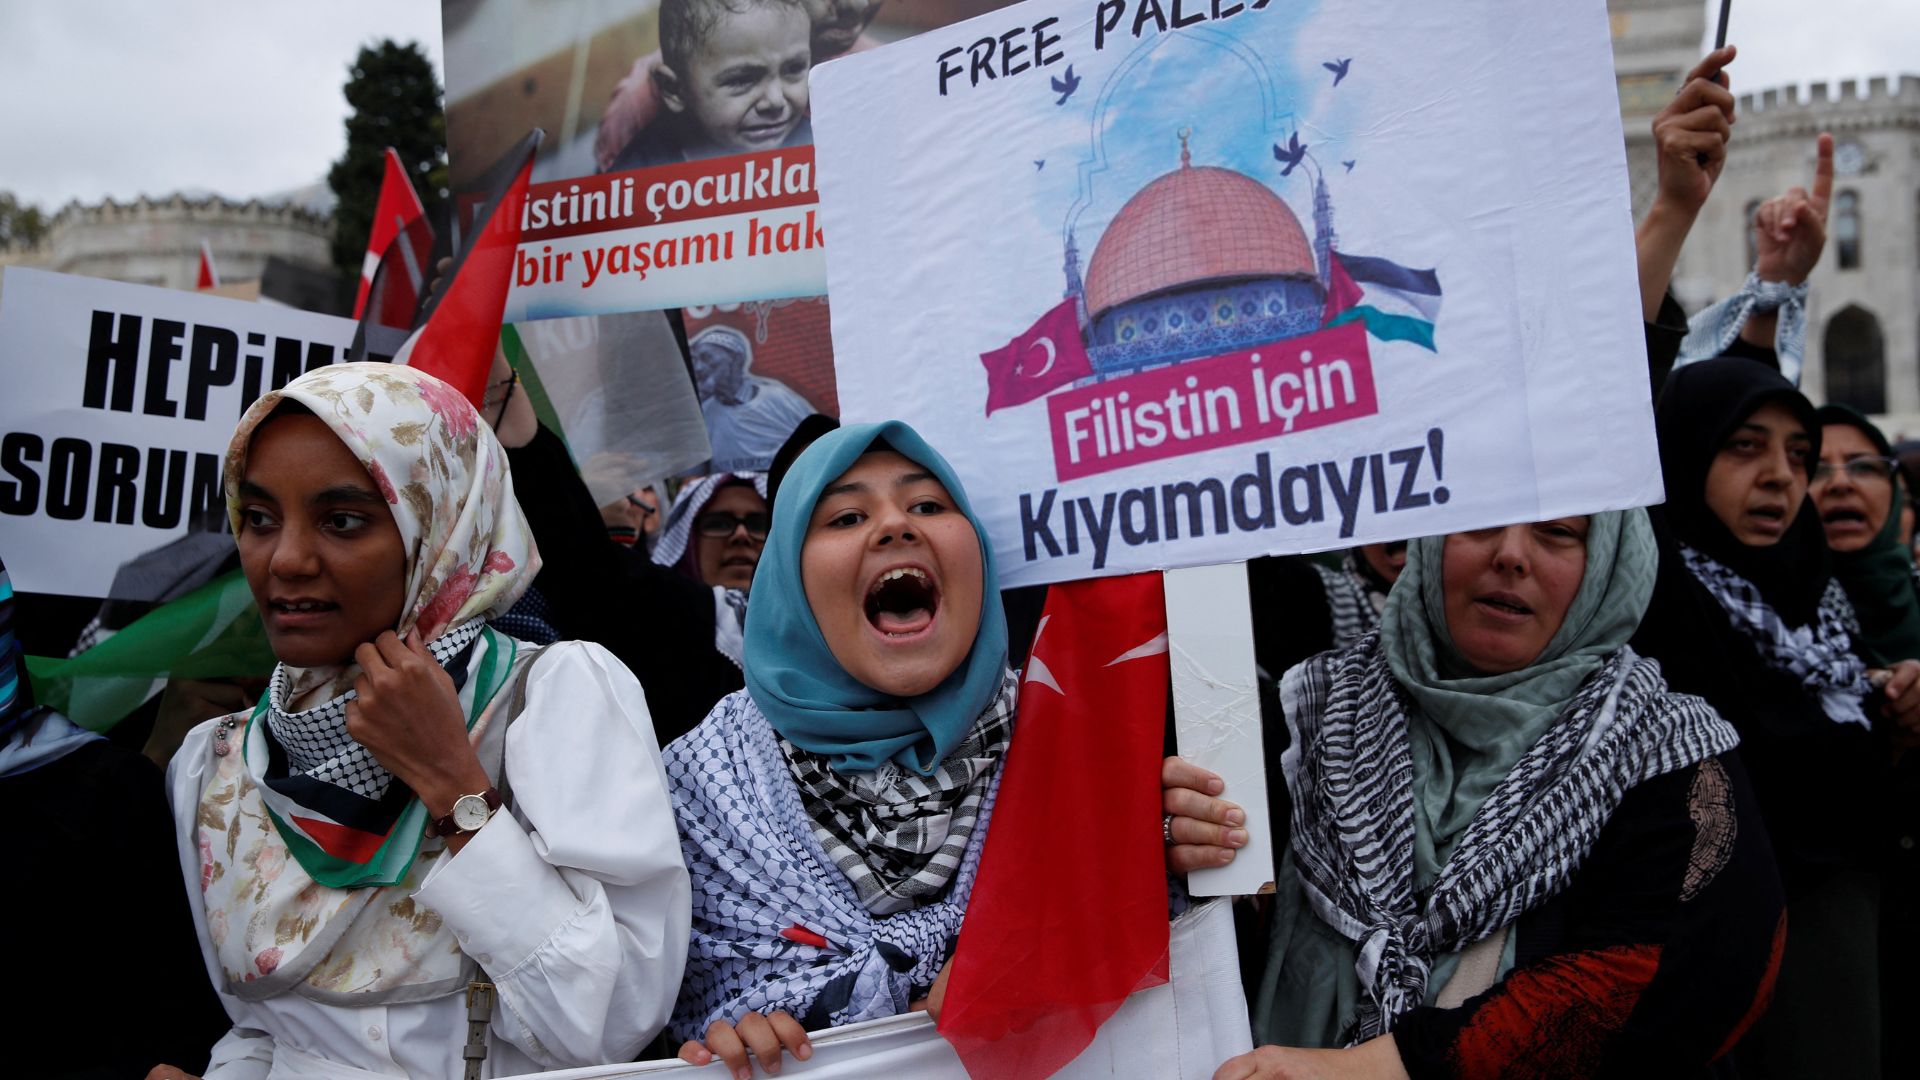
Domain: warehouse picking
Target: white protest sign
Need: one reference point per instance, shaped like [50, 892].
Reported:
[1179, 282]
[117, 407]
[1182, 1029]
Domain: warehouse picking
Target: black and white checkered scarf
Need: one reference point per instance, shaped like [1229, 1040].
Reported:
[1818, 655]
[1351, 600]
[316, 741]
[897, 835]
[1351, 773]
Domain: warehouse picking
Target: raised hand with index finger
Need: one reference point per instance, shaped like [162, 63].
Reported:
[1791, 230]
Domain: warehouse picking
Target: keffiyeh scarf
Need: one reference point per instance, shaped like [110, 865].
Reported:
[1714, 330]
[898, 836]
[676, 529]
[275, 927]
[1355, 608]
[1353, 819]
[1819, 655]
[315, 742]
[776, 924]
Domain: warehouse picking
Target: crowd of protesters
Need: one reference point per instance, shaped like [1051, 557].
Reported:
[703, 774]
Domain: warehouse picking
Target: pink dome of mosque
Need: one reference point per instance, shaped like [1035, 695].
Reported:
[1192, 226]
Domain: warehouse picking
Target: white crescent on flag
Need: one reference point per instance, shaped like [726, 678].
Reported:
[1052, 354]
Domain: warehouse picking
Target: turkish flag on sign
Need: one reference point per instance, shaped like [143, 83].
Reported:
[1069, 912]
[1048, 356]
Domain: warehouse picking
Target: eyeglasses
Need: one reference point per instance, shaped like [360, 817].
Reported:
[719, 524]
[1859, 470]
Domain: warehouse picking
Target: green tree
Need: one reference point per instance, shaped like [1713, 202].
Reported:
[396, 102]
[21, 225]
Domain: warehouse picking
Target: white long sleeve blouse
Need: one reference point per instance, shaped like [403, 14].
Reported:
[573, 900]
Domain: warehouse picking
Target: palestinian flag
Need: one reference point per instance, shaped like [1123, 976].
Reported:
[212, 632]
[344, 839]
[1394, 302]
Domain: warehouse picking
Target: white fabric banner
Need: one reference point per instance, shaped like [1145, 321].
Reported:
[1181, 1030]
[1178, 283]
[117, 404]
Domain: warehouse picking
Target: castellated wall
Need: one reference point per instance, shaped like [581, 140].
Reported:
[1876, 124]
[157, 241]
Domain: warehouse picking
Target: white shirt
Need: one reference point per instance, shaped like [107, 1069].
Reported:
[575, 903]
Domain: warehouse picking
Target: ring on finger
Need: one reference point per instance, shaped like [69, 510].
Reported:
[1166, 830]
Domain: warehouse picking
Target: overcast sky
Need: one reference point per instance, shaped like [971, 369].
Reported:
[121, 97]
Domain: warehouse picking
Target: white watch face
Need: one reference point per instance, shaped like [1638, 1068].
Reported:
[1849, 159]
[470, 812]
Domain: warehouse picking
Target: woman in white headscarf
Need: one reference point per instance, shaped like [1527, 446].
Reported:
[422, 810]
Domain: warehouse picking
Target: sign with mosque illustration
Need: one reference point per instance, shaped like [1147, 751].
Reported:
[1178, 282]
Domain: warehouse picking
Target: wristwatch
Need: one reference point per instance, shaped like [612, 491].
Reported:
[469, 813]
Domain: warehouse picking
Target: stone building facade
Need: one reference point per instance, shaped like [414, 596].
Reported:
[1863, 312]
[157, 241]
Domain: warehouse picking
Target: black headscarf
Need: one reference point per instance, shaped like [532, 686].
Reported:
[1702, 405]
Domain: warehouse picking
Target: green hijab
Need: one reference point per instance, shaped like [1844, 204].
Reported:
[1465, 732]
[1879, 577]
[1468, 729]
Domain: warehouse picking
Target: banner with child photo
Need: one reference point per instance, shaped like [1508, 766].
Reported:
[678, 168]
[1183, 284]
[677, 173]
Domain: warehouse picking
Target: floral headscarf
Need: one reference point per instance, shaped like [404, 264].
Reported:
[469, 550]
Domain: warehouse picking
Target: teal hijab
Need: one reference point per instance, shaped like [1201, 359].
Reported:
[791, 674]
[1468, 729]
[1879, 577]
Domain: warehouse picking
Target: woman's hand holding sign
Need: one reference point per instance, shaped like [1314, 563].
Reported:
[1201, 831]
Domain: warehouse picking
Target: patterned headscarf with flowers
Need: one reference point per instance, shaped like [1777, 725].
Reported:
[470, 552]
[469, 556]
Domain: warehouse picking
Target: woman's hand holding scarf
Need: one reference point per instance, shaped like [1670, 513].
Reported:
[407, 713]
[1375, 1059]
[762, 1036]
[1203, 831]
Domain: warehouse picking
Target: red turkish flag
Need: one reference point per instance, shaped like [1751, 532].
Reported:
[397, 216]
[1048, 356]
[209, 278]
[1069, 912]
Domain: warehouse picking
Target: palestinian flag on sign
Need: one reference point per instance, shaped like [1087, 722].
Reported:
[1394, 302]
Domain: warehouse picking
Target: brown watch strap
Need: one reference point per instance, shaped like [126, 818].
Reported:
[444, 826]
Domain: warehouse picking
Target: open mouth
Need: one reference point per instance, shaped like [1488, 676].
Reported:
[902, 601]
[1769, 517]
[1843, 515]
[766, 133]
